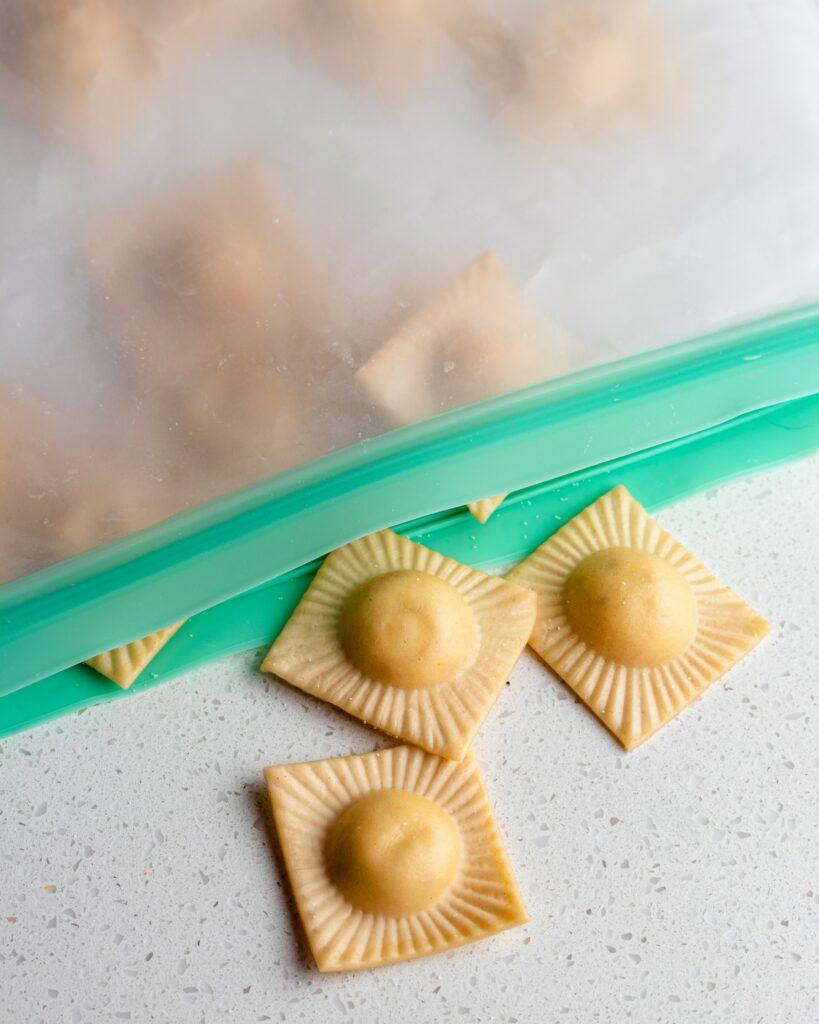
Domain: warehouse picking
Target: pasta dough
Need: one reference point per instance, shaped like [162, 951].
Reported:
[123, 665]
[484, 508]
[631, 620]
[413, 643]
[391, 855]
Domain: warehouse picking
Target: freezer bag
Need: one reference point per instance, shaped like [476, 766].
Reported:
[260, 261]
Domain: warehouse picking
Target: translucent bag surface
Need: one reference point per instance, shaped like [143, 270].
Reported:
[237, 236]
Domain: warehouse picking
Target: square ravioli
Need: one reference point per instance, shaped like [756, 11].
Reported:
[630, 619]
[478, 337]
[405, 639]
[211, 273]
[123, 665]
[81, 61]
[216, 298]
[391, 856]
[586, 68]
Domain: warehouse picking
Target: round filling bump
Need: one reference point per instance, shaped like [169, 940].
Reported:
[393, 852]
[408, 629]
[631, 607]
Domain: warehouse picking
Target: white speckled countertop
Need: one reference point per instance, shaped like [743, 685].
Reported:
[139, 882]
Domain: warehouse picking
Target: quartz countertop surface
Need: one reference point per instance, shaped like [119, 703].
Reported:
[139, 879]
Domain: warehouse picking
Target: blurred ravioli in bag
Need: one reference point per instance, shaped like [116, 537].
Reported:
[216, 297]
[475, 338]
[27, 487]
[79, 63]
[577, 67]
[64, 492]
[388, 46]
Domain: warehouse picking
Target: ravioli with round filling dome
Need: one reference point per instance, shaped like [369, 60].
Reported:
[391, 856]
[630, 619]
[405, 639]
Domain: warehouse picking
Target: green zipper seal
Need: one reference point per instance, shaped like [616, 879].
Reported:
[657, 477]
[65, 614]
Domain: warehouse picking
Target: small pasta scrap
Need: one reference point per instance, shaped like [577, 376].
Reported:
[123, 665]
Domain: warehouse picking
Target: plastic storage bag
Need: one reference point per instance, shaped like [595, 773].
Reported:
[218, 215]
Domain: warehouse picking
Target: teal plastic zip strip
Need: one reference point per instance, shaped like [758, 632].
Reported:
[67, 613]
[657, 477]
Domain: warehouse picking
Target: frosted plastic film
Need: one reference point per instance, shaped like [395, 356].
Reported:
[239, 235]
